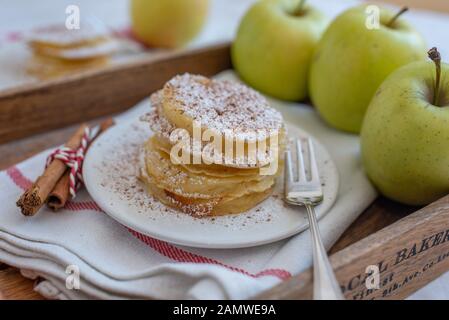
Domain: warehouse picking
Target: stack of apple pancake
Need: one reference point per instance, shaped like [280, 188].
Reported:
[229, 180]
[59, 51]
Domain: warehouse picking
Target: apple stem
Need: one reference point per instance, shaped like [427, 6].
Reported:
[435, 56]
[397, 15]
[300, 7]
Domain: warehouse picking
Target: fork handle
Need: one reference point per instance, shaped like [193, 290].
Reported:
[325, 285]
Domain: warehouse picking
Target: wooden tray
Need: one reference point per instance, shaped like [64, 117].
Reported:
[409, 245]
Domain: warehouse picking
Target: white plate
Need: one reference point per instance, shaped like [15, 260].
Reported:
[110, 172]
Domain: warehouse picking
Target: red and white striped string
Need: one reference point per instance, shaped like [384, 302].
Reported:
[73, 158]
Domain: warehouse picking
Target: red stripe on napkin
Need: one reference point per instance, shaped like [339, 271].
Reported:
[180, 255]
[18, 178]
[84, 205]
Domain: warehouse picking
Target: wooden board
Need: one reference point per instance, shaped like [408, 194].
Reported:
[436, 5]
[13, 286]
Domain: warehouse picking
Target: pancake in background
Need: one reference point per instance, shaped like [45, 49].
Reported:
[89, 51]
[60, 36]
[58, 51]
[48, 68]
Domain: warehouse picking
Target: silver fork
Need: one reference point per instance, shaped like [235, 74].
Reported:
[308, 193]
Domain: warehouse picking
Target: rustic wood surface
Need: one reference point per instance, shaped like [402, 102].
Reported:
[436, 5]
[14, 287]
[353, 245]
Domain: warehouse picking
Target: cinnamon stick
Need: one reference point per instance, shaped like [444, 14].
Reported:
[60, 194]
[34, 198]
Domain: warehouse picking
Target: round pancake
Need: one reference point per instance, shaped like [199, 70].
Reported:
[166, 131]
[59, 36]
[206, 207]
[179, 180]
[46, 67]
[85, 52]
[225, 107]
[208, 169]
[235, 114]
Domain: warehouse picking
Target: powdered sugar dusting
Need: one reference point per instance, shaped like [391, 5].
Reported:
[59, 35]
[158, 123]
[222, 105]
[228, 124]
[103, 48]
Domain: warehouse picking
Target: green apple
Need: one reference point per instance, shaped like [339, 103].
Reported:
[352, 59]
[405, 134]
[167, 23]
[274, 46]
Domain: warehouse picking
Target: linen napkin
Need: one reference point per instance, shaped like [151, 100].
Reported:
[114, 262]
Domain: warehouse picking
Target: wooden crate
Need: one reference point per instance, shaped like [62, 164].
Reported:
[409, 245]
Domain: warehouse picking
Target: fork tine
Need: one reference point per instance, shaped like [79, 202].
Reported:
[300, 164]
[315, 176]
[288, 173]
